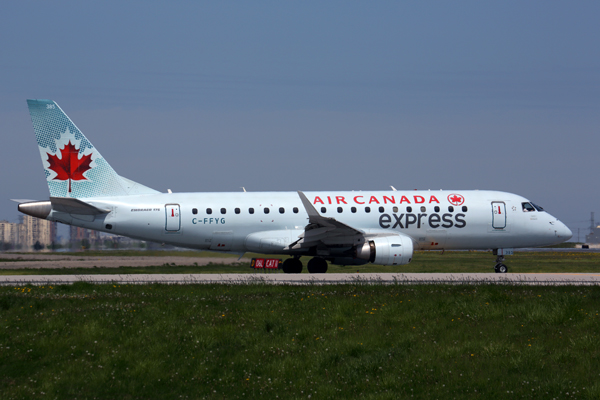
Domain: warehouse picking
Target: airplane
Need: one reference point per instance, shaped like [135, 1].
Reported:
[342, 227]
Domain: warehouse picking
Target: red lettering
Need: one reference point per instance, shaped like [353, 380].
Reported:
[340, 199]
[373, 199]
[419, 199]
[392, 200]
[404, 199]
[318, 200]
[432, 199]
[358, 202]
[329, 199]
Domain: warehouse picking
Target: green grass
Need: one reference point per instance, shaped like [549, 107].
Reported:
[424, 261]
[89, 341]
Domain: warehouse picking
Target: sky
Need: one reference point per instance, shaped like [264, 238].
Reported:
[314, 95]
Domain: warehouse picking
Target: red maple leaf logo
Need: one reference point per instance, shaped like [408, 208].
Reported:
[69, 166]
[456, 199]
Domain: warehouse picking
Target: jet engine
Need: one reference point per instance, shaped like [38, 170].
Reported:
[387, 250]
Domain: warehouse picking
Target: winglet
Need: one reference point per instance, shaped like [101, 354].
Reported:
[310, 209]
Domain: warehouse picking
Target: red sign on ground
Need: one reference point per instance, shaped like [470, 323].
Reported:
[265, 263]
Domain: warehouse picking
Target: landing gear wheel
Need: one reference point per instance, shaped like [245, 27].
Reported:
[501, 268]
[292, 266]
[317, 265]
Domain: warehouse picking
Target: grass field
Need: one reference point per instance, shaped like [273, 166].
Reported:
[423, 261]
[347, 341]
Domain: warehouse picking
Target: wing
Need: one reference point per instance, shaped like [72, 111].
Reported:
[325, 231]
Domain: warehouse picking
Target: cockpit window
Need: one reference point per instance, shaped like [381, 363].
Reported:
[527, 207]
[537, 207]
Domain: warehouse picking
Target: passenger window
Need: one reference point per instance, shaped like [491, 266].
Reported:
[395, 209]
[450, 208]
[323, 209]
[409, 209]
[223, 211]
[381, 209]
[237, 210]
[194, 211]
[209, 211]
[436, 209]
[251, 210]
[340, 210]
[367, 209]
[281, 210]
[465, 209]
[267, 210]
[423, 209]
[295, 210]
[353, 209]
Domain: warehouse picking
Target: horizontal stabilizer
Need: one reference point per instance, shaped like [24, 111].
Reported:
[75, 206]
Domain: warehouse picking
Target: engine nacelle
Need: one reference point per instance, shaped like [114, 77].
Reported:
[387, 250]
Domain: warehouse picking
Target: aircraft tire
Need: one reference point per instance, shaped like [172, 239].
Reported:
[317, 265]
[292, 266]
[501, 268]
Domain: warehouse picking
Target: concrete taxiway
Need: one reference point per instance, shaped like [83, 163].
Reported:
[277, 278]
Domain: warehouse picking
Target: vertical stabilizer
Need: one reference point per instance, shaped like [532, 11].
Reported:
[73, 166]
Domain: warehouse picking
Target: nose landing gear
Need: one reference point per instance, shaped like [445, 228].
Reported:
[500, 268]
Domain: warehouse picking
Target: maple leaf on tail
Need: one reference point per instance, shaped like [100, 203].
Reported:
[69, 166]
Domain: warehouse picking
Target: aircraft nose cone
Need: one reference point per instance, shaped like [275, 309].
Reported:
[562, 231]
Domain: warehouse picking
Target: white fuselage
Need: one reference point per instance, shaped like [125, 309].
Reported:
[268, 222]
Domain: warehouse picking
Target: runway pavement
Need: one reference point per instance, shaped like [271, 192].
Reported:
[309, 279]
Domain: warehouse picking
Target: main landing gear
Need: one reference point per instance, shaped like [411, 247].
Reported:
[316, 265]
[292, 266]
[500, 268]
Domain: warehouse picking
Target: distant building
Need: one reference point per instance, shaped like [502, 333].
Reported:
[79, 236]
[594, 236]
[33, 230]
[8, 235]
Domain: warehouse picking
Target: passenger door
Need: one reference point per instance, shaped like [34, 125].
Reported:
[498, 215]
[173, 218]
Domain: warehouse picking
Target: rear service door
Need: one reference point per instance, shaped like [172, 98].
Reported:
[173, 216]
[498, 215]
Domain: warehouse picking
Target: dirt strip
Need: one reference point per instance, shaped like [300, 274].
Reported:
[68, 261]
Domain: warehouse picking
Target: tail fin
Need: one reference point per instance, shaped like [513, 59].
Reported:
[73, 166]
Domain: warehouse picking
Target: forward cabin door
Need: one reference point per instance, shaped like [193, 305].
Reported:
[173, 216]
[498, 215]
